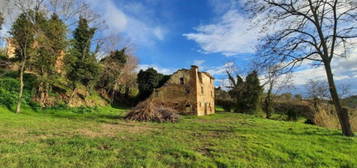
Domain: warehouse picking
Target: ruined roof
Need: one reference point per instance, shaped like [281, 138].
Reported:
[183, 69]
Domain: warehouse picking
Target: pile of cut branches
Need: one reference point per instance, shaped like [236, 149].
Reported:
[150, 111]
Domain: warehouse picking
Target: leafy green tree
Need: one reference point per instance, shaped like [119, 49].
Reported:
[22, 31]
[112, 71]
[82, 66]
[148, 80]
[245, 93]
[51, 43]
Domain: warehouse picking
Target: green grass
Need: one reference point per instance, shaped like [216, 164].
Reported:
[99, 137]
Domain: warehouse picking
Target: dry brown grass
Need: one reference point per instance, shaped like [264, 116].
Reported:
[327, 117]
[112, 130]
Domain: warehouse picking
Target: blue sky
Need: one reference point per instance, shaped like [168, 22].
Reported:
[166, 34]
[213, 34]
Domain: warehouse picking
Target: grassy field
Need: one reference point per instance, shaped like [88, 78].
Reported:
[99, 137]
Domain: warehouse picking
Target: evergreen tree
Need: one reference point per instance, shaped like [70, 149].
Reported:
[148, 80]
[51, 43]
[82, 66]
[22, 32]
[253, 90]
[245, 93]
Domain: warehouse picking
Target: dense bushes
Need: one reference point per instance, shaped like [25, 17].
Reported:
[226, 104]
[293, 110]
[8, 91]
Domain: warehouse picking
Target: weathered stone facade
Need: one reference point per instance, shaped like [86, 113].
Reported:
[10, 48]
[188, 91]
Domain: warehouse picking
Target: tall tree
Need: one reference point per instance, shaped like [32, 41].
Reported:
[245, 93]
[82, 66]
[314, 30]
[51, 43]
[118, 78]
[22, 32]
[113, 66]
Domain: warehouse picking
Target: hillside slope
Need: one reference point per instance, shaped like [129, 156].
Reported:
[98, 137]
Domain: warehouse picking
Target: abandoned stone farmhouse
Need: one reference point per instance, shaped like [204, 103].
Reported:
[188, 91]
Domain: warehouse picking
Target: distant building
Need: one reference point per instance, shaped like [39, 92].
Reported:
[10, 48]
[188, 91]
[11, 53]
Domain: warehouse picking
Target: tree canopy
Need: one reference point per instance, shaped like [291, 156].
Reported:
[148, 80]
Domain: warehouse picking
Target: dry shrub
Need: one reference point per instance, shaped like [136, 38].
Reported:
[150, 111]
[327, 117]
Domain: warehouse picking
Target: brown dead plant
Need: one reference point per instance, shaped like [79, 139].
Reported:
[150, 110]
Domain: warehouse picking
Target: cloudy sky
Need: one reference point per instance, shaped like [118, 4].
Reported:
[214, 34]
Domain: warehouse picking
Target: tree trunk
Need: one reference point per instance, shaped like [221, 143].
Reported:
[18, 108]
[341, 112]
[72, 95]
[268, 102]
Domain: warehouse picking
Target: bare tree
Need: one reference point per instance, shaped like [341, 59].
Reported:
[317, 91]
[314, 30]
[271, 80]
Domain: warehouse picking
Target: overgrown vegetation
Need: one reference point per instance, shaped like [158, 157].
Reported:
[245, 93]
[148, 80]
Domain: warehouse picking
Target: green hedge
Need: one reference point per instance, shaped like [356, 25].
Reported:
[8, 91]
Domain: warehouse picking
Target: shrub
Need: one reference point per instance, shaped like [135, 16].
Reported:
[293, 110]
[227, 105]
[8, 91]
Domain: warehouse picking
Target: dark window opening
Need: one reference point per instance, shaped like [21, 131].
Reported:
[182, 81]
[187, 91]
[187, 105]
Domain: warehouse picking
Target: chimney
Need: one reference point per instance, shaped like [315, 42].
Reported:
[194, 68]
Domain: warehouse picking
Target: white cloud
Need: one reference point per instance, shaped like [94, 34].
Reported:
[221, 6]
[231, 34]
[219, 70]
[343, 68]
[126, 20]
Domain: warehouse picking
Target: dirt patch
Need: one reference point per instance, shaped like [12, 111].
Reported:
[111, 130]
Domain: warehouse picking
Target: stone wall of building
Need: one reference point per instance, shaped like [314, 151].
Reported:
[205, 94]
[10, 48]
[188, 92]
